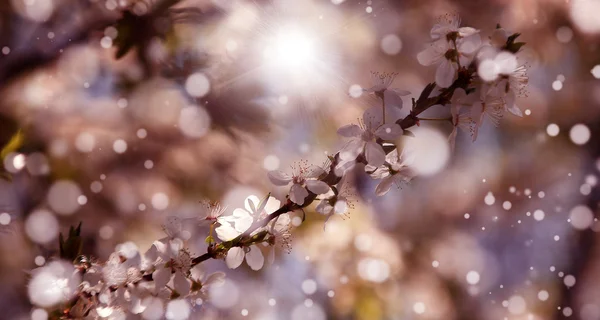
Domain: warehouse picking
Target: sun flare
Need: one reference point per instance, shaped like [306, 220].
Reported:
[291, 48]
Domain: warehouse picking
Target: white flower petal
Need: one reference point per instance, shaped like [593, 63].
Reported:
[271, 256]
[350, 130]
[251, 204]
[317, 186]
[181, 284]
[298, 194]
[243, 222]
[373, 118]
[279, 178]
[214, 279]
[514, 109]
[467, 31]
[392, 99]
[460, 96]
[440, 30]
[445, 73]
[477, 116]
[282, 223]
[174, 246]
[511, 106]
[433, 53]
[393, 114]
[470, 44]
[343, 166]
[324, 207]
[341, 206]
[400, 92]
[238, 213]
[499, 37]
[315, 172]
[152, 254]
[477, 112]
[161, 277]
[254, 258]
[384, 186]
[235, 257]
[172, 226]
[352, 149]
[374, 154]
[389, 132]
[226, 232]
[506, 62]
[272, 205]
[452, 139]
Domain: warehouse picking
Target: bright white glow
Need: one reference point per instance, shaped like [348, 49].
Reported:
[292, 48]
[473, 277]
[581, 217]
[419, 308]
[580, 134]
[517, 305]
[430, 150]
[584, 15]
[553, 130]
[53, 284]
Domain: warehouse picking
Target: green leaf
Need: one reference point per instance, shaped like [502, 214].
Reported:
[70, 248]
[511, 39]
[515, 47]
[15, 142]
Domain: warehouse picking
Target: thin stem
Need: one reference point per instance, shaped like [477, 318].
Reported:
[383, 104]
[457, 53]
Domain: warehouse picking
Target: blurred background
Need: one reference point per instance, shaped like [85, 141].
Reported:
[119, 113]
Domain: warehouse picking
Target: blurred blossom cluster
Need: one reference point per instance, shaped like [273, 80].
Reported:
[314, 159]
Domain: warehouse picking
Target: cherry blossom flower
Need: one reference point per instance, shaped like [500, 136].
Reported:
[442, 52]
[119, 271]
[395, 172]
[303, 179]
[364, 135]
[173, 228]
[512, 84]
[452, 47]
[460, 120]
[391, 97]
[487, 106]
[54, 283]
[448, 24]
[173, 261]
[201, 284]
[241, 219]
[506, 77]
[213, 211]
[336, 203]
[333, 205]
[279, 235]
